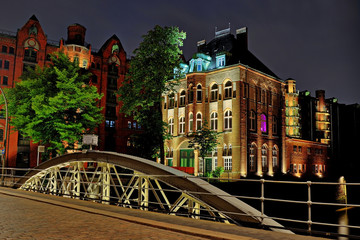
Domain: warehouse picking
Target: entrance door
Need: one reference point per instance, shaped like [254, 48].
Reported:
[186, 158]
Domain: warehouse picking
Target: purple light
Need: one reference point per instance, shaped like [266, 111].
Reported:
[263, 122]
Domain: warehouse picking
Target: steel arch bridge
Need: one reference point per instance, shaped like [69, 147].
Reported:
[129, 181]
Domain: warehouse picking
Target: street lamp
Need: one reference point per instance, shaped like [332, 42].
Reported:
[3, 156]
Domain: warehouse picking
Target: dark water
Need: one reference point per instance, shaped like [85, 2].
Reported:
[319, 213]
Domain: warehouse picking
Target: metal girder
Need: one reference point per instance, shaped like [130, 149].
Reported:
[106, 185]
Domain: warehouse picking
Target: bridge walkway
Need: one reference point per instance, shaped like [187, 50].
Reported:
[30, 215]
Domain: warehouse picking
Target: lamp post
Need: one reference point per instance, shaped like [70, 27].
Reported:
[3, 156]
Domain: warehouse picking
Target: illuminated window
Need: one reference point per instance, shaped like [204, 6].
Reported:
[171, 126]
[84, 64]
[228, 120]
[129, 124]
[274, 158]
[227, 163]
[295, 169]
[110, 124]
[214, 92]
[199, 65]
[214, 121]
[171, 101]
[252, 158]
[220, 61]
[191, 121]
[263, 123]
[252, 121]
[264, 162]
[225, 150]
[198, 93]
[198, 121]
[182, 98]
[190, 94]
[228, 89]
[182, 125]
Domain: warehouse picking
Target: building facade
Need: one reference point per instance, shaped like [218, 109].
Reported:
[255, 113]
[29, 47]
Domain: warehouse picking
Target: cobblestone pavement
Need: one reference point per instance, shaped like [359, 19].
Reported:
[26, 219]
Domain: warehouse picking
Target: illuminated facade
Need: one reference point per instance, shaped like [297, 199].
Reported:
[29, 47]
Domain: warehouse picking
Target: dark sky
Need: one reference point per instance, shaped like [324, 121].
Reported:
[316, 42]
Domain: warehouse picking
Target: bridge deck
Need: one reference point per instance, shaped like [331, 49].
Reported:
[29, 215]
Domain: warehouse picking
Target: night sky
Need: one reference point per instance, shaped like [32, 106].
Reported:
[316, 42]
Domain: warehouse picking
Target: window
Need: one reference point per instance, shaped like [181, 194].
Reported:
[0, 63]
[308, 150]
[1, 134]
[300, 171]
[228, 120]
[6, 64]
[295, 148]
[191, 121]
[263, 123]
[230, 150]
[214, 92]
[220, 61]
[134, 125]
[227, 163]
[182, 125]
[300, 149]
[11, 50]
[246, 90]
[171, 126]
[274, 157]
[252, 121]
[112, 83]
[182, 98]
[263, 96]
[198, 93]
[199, 65]
[110, 124]
[129, 124]
[274, 125]
[30, 55]
[228, 89]
[171, 101]
[76, 59]
[5, 80]
[84, 64]
[190, 95]
[214, 121]
[198, 121]
[252, 158]
[264, 163]
[225, 150]
[295, 169]
[4, 49]
[110, 111]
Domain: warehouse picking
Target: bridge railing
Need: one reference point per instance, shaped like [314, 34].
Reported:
[309, 207]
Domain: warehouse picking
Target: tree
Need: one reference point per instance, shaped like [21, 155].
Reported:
[204, 140]
[54, 105]
[151, 74]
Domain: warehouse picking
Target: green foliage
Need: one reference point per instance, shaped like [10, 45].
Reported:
[217, 172]
[53, 105]
[204, 140]
[151, 74]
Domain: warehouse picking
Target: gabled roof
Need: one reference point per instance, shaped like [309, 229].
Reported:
[105, 45]
[33, 17]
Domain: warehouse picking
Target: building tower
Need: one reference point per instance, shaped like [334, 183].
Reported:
[292, 109]
[322, 118]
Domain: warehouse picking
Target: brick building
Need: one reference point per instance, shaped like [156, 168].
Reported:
[255, 113]
[29, 47]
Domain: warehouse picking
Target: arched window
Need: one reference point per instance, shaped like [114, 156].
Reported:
[264, 158]
[275, 158]
[182, 125]
[274, 125]
[182, 98]
[263, 95]
[252, 121]
[225, 150]
[228, 89]
[228, 120]
[263, 127]
[198, 121]
[171, 100]
[199, 93]
[214, 121]
[171, 126]
[191, 121]
[4, 49]
[252, 158]
[214, 92]
[230, 150]
[191, 94]
[30, 55]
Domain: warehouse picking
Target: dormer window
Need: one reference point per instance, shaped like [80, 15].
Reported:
[220, 61]
[199, 65]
